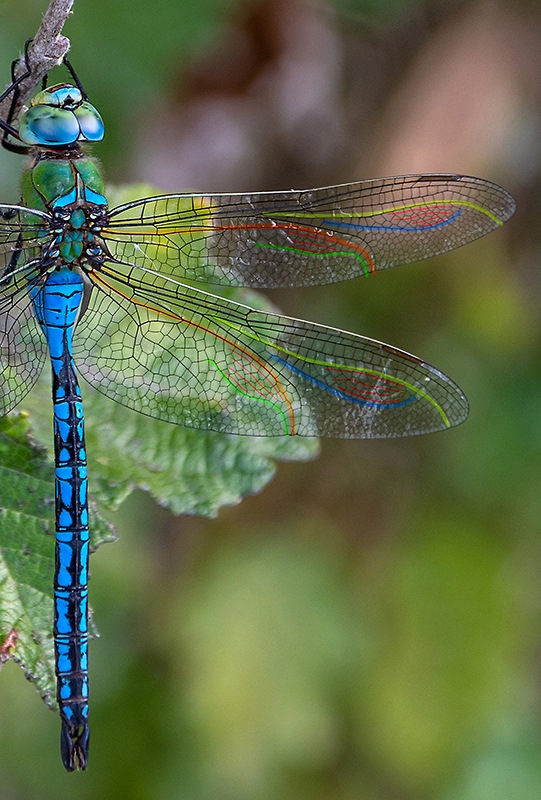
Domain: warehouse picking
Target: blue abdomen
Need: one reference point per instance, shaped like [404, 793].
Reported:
[57, 305]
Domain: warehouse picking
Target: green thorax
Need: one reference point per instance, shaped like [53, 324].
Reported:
[53, 182]
[69, 185]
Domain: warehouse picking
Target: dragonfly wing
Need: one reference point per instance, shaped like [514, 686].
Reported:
[311, 237]
[22, 350]
[22, 345]
[23, 234]
[182, 355]
[19, 221]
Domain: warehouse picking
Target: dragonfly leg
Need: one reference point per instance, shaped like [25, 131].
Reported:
[75, 77]
[13, 88]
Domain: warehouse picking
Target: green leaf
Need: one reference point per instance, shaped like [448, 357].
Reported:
[27, 552]
[189, 472]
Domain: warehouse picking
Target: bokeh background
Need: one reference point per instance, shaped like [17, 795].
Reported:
[367, 628]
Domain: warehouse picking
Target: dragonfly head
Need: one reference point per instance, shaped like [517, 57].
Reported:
[60, 116]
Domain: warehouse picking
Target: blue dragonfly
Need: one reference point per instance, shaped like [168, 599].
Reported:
[109, 294]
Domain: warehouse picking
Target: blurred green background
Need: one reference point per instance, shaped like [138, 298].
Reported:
[367, 628]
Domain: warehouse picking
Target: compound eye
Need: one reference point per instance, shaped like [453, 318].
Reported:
[48, 125]
[90, 122]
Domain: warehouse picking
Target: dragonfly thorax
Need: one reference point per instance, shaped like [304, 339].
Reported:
[76, 238]
[70, 189]
[60, 116]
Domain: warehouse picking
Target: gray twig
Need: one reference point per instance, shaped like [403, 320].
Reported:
[47, 50]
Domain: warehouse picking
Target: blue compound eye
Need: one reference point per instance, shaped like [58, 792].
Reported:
[90, 122]
[47, 125]
[59, 116]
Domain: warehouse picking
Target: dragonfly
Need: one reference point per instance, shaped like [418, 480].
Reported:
[112, 294]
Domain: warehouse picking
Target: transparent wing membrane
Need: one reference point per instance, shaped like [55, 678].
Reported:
[175, 352]
[298, 238]
[22, 351]
[191, 358]
[22, 346]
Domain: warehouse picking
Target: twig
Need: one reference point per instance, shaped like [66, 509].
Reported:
[46, 51]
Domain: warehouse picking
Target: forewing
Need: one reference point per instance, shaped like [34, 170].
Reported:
[21, 229]
[311, 237]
